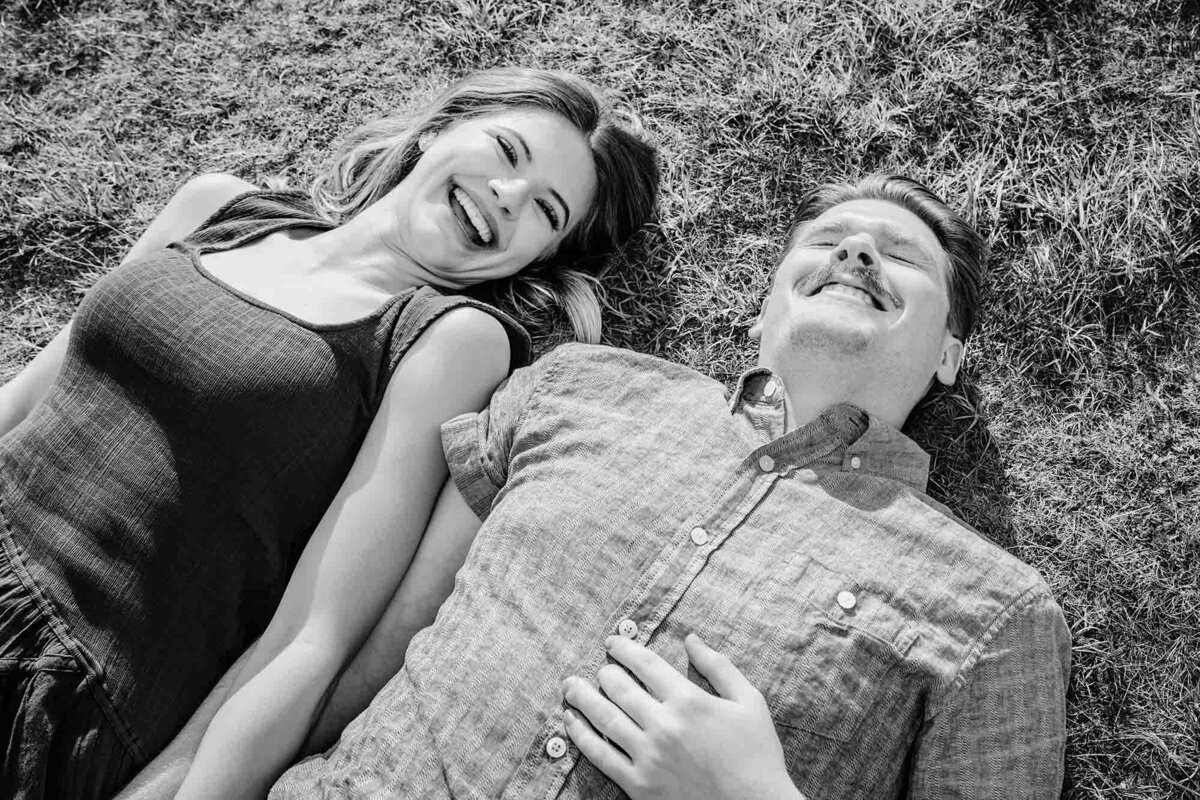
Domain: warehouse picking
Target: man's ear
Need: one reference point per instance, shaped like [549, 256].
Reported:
[756, 329]
[952, 354]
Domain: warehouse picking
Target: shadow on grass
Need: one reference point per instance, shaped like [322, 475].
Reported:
[638, 301]
[35, 13]
[967, 473]
[641, 297]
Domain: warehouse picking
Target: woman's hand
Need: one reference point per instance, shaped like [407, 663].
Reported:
[687, 743]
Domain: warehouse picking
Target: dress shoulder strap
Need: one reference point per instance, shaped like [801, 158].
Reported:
[253, 215]
[427, 304]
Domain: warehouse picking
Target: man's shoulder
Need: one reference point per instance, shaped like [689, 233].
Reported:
[966, 590]
[965, 585]
[959, 542]
[977, 542]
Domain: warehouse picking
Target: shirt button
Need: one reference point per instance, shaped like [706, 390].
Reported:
[766, 463]
[847, 600]
[769, 389]
[627, 628]
[855, 462]
[699, 536]
[556, 747]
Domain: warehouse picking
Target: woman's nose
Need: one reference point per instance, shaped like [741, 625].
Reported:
[855, 251]
[511, 194]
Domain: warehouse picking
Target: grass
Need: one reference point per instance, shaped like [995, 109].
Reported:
[1069, 131]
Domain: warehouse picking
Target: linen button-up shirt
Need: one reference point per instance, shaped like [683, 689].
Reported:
[901, 654]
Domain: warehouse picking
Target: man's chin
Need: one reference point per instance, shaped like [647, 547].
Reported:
[833, 340]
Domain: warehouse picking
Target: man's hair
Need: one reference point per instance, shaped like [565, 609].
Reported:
[964, 247]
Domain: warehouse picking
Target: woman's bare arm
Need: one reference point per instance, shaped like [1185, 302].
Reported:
[425, 587]
[193, 203]
[354, 561]
[414, 605]
[160, 779]
[21, 394]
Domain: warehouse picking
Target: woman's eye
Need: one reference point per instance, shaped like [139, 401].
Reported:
[510, 152]
[551, 214]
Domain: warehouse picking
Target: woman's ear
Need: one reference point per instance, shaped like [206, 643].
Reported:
[952, 355]
[426, 140]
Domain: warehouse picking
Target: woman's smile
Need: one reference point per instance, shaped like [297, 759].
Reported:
[476, 226]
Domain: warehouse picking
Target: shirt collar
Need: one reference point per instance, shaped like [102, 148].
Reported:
[868, 444]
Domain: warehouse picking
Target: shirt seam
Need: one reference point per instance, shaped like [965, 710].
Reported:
[1019, 603]
[552, 366]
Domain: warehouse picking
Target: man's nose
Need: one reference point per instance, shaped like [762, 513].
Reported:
[855, 251]
[511, 194]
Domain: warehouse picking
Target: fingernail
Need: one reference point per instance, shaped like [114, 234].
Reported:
[568, 716]
[566, 684]
[608, 642]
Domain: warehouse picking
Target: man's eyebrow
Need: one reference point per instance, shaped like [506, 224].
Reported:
[893, 233]
[516, 135]
[824, 227]
[899, 236]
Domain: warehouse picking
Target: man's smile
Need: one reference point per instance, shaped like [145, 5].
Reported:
[851, 293]
[859, 286]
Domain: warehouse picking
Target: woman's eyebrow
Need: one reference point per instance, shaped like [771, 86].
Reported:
[516, 135]
[566, 208]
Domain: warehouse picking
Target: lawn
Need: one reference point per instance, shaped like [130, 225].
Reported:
[1068, 131]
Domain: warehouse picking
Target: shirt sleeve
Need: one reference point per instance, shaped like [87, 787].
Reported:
[477, 445]
[1002, 732]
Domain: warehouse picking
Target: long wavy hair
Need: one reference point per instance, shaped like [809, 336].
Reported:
[380, 154]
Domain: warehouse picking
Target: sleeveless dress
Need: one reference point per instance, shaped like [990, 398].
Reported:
[152, 507]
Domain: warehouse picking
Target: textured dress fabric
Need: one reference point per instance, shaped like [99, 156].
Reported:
[153, 505]
[901, 654]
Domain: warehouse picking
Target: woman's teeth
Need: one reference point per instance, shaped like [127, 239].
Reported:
[476, 216]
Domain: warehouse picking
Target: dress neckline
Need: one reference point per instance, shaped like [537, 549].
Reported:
[194, 252]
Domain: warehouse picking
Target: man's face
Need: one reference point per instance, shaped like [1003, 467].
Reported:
[865, 282]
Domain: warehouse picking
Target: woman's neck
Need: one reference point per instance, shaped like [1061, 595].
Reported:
[357, 251]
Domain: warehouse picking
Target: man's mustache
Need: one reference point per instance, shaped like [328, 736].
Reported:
[867, 277]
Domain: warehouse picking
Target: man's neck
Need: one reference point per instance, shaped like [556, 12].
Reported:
[814, 387]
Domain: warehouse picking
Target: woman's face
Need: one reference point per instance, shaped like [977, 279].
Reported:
[492, 194]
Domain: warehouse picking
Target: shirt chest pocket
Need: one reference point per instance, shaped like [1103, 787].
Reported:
[819, 645]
